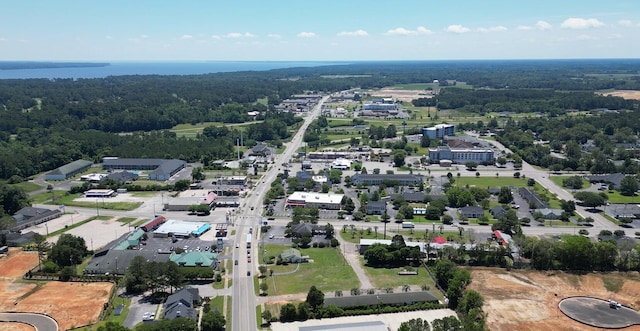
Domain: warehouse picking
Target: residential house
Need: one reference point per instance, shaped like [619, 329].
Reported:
[471, 211]
[293, 255]
[497, 211]
[300, 229]
[182, 304]
[261, 150]
[532, 198]
[376, 207]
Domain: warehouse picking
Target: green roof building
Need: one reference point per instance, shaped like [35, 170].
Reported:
[195, 259]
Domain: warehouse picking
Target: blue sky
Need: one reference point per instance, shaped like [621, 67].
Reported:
[327, 30]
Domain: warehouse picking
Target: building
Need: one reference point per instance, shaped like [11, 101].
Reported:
[122, 177]
[68, 170]
[410, 196]
[153, 223]
[532, 198]
[388, 299]
[439, 131]
[299, 230]
[548, 213]
[189, 198]
[195, 259]
[376, 207]
[497, 212]
[461, 155]
[341, 164]
[293, 255]
[319, 200]
[182, 304]
[471, 211]
[184, 229]
[30, 216]
[231, 180]
[161, 169]
[377, 179]
[260, 150]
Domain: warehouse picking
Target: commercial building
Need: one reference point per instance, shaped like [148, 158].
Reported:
[461, 155]
[231, 180]
[30, 216]
[189, 198]
[182, 304]
[439, 131]
[376, 207]
[161, 169]
[68, 170]
[195, 259]
[341, 164]
[319, 200]
[99, 193]
[184, 229]
[377, 179]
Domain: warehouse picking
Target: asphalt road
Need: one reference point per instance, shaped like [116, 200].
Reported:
[39, 321]
[248, 215]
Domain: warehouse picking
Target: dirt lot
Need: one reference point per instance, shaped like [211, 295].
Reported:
[17, 327]
[71, 304]
[403, 95]
[17, 263]
[528, 300]
[625, 94]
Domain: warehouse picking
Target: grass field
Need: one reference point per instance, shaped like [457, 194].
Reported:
[69, 200]
[28, 186]
[191, 130]
[388, 277]
[327, 272]
[558, 181]
[364, 233]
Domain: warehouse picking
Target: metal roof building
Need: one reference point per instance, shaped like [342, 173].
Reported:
[162, 169]
[68, 170]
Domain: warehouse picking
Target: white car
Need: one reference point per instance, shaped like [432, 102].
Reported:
[148, 316]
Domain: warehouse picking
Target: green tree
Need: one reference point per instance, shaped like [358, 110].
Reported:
[182, 185]
[398, 158]
[112, 326]
[449, 323]
[505, 196]
[68, 250]
[471, 165]
[315, 298]
[266, 316]
[470, 300]
[288, 313]
[628, 186]
[415, 324]
[264, 287]
[213, 321]
[198, 174]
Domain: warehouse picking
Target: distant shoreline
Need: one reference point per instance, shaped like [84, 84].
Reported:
[19, 65]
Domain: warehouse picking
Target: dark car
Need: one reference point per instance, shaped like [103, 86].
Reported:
[236, 263]
[248, 273]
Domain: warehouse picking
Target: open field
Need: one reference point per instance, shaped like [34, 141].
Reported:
[17, 327]
[528, 300]
[625, 94]
[327, 272]
[17, 263]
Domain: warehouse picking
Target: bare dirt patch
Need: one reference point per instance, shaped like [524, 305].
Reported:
[17, 263]
[10, 292]
[625, 94]
[528, 300]
[8, 326]
[71, 304]
[402, 95]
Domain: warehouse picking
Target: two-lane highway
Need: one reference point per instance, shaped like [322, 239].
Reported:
[244, 300]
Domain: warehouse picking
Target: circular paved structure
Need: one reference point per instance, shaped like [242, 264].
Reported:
[598, 313]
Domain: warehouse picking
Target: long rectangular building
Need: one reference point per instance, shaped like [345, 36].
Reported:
[161, 169]
[377, 179]
[68, 170]
[312, 199]
[461, 155]
[439, 131]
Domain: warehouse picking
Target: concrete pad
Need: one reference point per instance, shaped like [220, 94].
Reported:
[598, 313]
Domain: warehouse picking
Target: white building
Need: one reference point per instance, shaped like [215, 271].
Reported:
[312, 199]
[342, 164]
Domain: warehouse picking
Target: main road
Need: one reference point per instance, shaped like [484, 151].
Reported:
[249, 215]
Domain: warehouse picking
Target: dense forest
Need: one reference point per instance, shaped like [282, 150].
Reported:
[47, 123]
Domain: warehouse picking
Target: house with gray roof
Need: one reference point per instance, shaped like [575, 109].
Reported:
[471, 211]
[68, 170]
[182, 304]
[497, 211]
[532, 198]
[410, 196]
[293, 255]
[377, 179]
[615, 179]
[376, 207]
[549, 214]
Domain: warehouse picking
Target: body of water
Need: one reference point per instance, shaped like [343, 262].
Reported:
[155, 68]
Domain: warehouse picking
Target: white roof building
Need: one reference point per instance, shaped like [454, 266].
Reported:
[312, 199]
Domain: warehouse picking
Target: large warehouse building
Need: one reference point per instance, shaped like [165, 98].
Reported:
[461, 155]
[311, 199]
[161, 169]
[68, 170]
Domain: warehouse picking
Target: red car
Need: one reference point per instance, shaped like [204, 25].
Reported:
[249, 260]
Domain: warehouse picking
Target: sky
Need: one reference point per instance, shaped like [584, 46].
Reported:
[326, 30]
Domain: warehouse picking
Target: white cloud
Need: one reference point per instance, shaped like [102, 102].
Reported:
[216, 37]
[498, 28]
[457, 28]
[587, 37]
[307, 35]
[235, 35]
[274, 36]
[186, 37]
[581, 23]
[400, 31]
[540, 25]
[357, 33]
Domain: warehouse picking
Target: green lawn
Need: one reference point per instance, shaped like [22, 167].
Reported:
[190, 130]
[69, 200]
[111, 317]
[126, 219]
[490, 181]
[616, 197]
[28, 186]
[43, 197]
[388, 277]
[328, 272]
[365, 234]
[558, 181]
[143, 194]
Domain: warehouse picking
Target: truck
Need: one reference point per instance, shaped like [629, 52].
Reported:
[407, 225]
[248, 240]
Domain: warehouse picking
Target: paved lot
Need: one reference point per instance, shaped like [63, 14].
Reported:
[598, 313]
[139, 306]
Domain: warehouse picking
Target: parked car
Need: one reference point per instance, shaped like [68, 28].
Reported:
[236, 263]
[248, 273]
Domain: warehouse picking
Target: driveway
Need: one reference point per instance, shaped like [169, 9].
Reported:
[139, 306]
